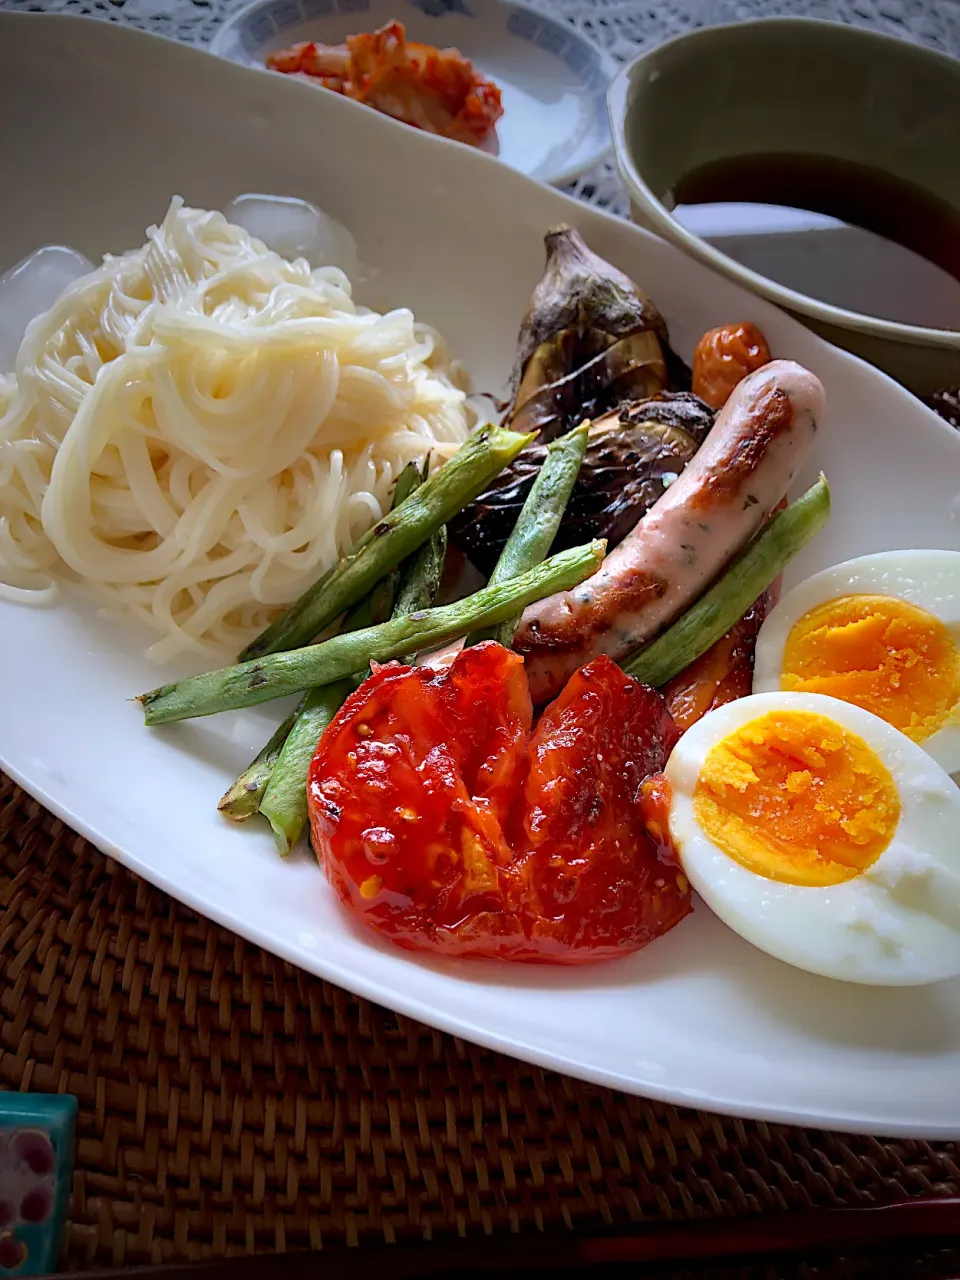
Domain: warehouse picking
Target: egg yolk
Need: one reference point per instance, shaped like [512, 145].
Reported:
[795, 797]
[880, 653]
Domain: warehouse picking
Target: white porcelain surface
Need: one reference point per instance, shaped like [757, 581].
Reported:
[699, 1018]
[554, 82]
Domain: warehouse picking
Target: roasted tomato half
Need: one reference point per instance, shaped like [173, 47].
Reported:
[444, 819]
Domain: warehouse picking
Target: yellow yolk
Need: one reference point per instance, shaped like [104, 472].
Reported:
[794, 797]
[879, 653]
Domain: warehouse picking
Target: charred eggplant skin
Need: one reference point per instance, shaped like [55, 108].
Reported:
[590, 340]
[581, 306]
[633, 455]
[633, 369]
[592, 346]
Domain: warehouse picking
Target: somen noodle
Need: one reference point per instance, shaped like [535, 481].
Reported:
[198, 429]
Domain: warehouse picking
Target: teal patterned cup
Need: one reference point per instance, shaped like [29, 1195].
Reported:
[36, 1165]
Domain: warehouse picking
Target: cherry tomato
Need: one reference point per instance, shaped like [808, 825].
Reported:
[443, 821]
[724, 357]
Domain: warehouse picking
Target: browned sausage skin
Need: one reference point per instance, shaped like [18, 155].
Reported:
[744, 467]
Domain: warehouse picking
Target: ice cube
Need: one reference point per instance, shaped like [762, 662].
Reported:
[32, 287]
[295, 229]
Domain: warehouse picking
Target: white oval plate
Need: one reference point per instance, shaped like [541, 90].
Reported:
[554, 82]
[700, 1017]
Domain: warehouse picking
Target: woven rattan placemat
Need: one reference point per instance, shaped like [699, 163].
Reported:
[230, 1103]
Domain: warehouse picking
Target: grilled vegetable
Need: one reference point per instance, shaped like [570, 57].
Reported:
[421, 578]
[284, 802]
[277, 674]
[409, 589]
[590, 340]
[391, 540]
[590, 391]
[581, 306]
[506, 841]
[283, 798]
[536, 529]
[242, 798]
[632, 456]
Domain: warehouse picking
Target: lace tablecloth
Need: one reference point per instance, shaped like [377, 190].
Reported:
[621, 26]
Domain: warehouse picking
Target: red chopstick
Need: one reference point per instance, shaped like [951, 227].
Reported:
[799, 1231]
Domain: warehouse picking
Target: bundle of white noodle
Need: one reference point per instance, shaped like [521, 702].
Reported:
[198, 429]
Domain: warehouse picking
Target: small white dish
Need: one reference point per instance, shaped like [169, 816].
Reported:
[700, 1018]
[553, 80]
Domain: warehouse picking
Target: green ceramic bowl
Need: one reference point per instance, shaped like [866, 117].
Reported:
[796, 86]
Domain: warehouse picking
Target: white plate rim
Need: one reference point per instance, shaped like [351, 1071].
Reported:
[431, 1016]
[794, 1113]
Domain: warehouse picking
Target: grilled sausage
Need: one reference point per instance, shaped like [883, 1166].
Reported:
[742, 470]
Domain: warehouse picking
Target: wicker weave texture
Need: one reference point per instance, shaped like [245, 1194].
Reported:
[230, 1103]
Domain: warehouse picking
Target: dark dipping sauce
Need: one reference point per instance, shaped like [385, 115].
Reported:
[866, 199]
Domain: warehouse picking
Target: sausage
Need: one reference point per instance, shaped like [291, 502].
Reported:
[742, 470]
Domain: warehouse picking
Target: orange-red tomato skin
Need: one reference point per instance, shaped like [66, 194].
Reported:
[444, 820]
[655, 800]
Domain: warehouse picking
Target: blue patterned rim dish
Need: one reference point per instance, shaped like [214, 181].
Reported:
[554, 80]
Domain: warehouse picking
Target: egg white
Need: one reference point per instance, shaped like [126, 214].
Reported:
[929, 580]
[897, 923]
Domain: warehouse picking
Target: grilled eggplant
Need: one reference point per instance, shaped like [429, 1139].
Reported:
[590, 340]
[633, 454]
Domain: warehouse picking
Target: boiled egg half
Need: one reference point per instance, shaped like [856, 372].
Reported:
[882, 632]
[822, 835]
